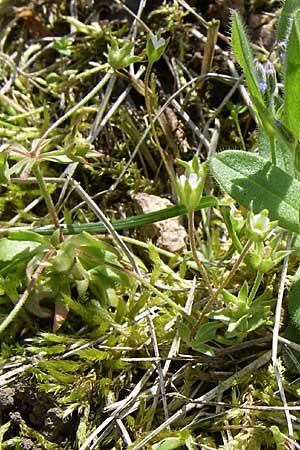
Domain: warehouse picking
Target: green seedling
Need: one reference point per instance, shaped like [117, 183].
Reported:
[81, 262]
[241, 314]
[62, 45]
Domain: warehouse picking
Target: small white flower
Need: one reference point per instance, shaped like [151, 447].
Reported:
[260, 223]
[193, 180]
[157, 41]
[182, 180]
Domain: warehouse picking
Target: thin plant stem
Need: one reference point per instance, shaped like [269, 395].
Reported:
[191, 227]
[227, 280]
[47, 198]
[101, 216]
[22, 300]
[149, 111]
[237, 124]
[258, 280]
[161, 384]
[273, 150]
[235, 266]
[75, 108]
[275, 339]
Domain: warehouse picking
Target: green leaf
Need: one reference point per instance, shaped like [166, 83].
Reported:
[294, 303]
[206, 332]
[184, 332]
[64, 259]
[169, 444]
[284, 19]
[26, 235]
[133, 221]
[278, 437]
[203, 348]
[3, 167]
[292, 79]
[257, 184]
[243, 293]
[10, 249]
[283, 153]
[243, 54]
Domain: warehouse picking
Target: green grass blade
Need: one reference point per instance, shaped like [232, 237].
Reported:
[292, 78]
[130, 222]
[257, 184]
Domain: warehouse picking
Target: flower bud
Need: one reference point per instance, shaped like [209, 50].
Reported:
[281, 51]
[264, 258]
[190, 185]
[261, 75]
[271, 78]
[119, 58]
[155, 47]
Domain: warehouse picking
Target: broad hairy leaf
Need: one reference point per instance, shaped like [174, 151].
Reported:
[292, 78]
[257, 184]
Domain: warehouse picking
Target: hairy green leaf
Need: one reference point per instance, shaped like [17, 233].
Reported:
[284, 19]
[243, 54]
[283, 153]
[292, 78]
[257, 184]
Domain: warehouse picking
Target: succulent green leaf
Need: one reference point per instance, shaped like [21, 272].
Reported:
[184, 332]
[257, 184]
[292, 79]
[243, 293]
[27, 235]
[203, 348]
